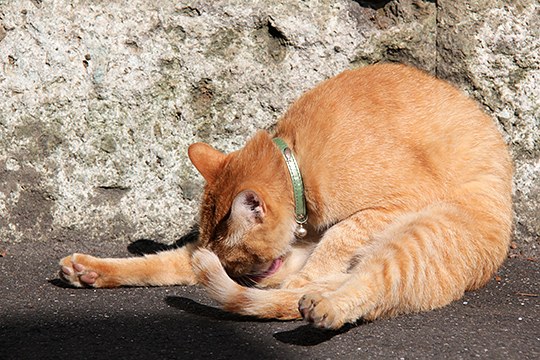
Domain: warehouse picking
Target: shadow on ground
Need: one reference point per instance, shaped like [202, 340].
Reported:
[128, 337]
[146, 246]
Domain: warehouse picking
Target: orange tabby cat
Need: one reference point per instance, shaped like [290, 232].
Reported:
[408, 191]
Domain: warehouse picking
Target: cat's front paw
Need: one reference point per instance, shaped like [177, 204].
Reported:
[76, 270]
[318, 310]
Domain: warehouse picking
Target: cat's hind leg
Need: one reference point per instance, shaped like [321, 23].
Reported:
[420, 262]
[171, 267]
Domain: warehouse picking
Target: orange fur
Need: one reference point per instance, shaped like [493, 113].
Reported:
[408, 186]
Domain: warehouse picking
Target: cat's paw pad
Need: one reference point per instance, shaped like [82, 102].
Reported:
[295, 282]
[74, 271]
[318, 310]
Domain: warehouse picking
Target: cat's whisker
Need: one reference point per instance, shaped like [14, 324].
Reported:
[246, 281]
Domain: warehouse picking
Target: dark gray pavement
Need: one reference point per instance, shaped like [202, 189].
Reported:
[40, 319]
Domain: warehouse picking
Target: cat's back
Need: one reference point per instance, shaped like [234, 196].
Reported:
[395, 127]
[392, 108]
[393, 99]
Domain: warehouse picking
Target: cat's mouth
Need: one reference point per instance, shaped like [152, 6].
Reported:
[274, 266]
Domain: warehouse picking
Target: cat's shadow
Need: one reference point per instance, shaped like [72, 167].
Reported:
[195, 308]
[145, 246]
[307, 335]
[304, 335]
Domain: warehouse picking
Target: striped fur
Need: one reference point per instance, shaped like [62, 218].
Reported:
[408, 185]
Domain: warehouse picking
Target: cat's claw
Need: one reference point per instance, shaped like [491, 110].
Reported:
[318, 310]
[75, 273]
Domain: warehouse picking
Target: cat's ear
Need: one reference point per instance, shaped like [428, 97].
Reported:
[248, 206]
[207, 160]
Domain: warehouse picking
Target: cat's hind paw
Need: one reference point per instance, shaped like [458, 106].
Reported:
[75, 271]
[319, 310]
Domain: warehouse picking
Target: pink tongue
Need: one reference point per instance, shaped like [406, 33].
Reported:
[276, 264]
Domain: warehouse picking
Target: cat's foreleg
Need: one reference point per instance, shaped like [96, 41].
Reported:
[171, 267]
[338, 246]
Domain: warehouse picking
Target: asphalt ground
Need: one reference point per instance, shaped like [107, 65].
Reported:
[42, 319]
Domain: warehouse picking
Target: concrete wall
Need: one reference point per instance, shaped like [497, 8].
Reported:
[100, 99]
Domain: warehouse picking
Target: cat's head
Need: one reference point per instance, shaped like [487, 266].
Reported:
[246, 211]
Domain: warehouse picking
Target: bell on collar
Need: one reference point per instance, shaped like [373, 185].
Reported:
[300, 231]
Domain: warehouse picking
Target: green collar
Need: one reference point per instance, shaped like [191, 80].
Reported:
[300, 212]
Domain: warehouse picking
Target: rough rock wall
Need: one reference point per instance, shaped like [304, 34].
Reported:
[99, 100]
